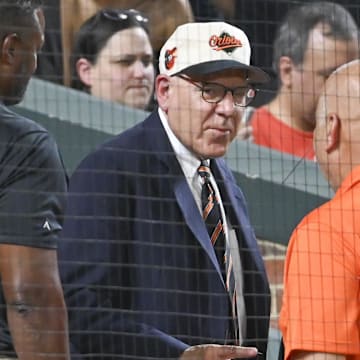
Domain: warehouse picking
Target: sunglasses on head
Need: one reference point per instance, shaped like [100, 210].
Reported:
[123, 15]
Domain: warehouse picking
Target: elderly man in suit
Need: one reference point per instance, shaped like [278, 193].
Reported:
[159, 259]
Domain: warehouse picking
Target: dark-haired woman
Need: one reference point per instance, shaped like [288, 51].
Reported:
[113, 58]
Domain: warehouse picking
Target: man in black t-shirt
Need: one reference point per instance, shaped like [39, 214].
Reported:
[33, 321]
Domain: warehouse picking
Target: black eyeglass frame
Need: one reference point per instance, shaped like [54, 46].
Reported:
[245, 97]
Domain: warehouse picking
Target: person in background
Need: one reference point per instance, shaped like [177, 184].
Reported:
[50, 59]
[158, 258]
[113, 58]
[206, 10]
[261, 18]
[33, 318]
[164, 16]
[320, 316]
[313, 41]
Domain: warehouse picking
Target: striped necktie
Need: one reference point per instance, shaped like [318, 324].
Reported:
[211, 213]
[215, 226]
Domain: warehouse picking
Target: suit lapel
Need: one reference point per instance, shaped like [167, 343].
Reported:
[160, 145]
[194, 220]
[235, 201]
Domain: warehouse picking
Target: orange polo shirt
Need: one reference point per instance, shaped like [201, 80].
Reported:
[270, 132]
[321, 301]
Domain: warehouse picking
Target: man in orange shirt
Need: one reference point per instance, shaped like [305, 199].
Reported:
[320, 316]
[311, 43]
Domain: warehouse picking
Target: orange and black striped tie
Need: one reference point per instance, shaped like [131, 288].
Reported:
[211, 213]
[215, 226]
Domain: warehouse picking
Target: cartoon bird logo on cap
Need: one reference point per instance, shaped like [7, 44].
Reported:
[170, 56]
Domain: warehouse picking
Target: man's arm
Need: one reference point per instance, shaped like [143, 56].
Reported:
[35, 305]
[32, 202]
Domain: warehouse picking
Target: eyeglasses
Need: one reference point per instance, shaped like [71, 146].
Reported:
[123, 15]
[213, 93]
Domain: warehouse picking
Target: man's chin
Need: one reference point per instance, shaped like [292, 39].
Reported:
[16, 96]
[310, 120]
[212, 152]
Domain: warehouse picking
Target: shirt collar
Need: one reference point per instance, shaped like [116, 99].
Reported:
[351, 180]
[188, 161]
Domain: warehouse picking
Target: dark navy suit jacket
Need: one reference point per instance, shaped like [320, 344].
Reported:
[141, 278]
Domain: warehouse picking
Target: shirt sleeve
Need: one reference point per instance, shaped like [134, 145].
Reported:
[32, 191]
[320, 311]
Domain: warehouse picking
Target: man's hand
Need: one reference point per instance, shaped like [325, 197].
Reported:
[217, 352]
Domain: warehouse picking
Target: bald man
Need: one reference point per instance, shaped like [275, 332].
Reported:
[320, 317]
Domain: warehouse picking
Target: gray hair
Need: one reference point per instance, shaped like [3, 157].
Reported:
[292, 36]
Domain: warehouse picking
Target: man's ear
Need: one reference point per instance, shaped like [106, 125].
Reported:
[333, 127]
[162, 88]
[84, 69]
[9, 48]
[286, 67]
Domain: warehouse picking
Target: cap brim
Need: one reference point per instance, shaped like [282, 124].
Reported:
[254, 74]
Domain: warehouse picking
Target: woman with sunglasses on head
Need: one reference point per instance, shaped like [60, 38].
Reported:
[161, 23]
[113, 58]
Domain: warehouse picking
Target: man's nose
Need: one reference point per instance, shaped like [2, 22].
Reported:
[227, 105]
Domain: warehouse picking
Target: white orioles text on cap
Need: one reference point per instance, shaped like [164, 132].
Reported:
[199, 49]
